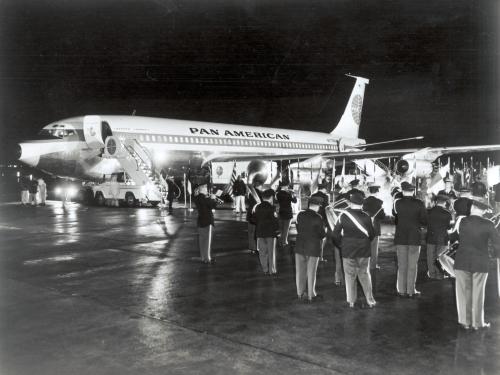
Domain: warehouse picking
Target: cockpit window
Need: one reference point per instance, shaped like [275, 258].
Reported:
[57, 133]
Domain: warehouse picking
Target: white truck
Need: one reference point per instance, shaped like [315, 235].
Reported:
[119, 187]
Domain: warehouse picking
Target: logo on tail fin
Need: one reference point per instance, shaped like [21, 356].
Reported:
[356, 106]
[348, 126]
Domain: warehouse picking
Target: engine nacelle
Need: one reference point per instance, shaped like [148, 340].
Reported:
[95, 131]
[257, 172]
[407, 167]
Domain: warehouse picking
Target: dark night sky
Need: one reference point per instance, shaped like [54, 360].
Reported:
[433, 66]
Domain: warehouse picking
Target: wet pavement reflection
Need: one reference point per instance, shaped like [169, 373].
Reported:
[117, 290]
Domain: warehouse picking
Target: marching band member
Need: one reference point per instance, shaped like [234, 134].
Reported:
[373, 207]
[353, 233]
[310, 234]
[205, 203]
[471, 265]
[439, 221]
[410, 216]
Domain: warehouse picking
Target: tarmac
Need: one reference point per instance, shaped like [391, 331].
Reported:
[89, 290]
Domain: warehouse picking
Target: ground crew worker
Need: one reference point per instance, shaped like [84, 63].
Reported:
[239, 192]
[353, 234]
[471, 265]
[266, 231]
[438, 223]
[205, 203]
[373, 207]
[410, 216]
[310, 234]
[42, 190]
[25, 195]
[285, 198]
[33, 190]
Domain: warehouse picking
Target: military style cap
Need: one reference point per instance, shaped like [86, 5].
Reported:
[354, 182]
[373, 188]
[406, 186]
[316, 200]
[356, 198]
[441, 198]
[480, 205]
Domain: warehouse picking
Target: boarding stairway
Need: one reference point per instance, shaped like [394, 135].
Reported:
[137, 162]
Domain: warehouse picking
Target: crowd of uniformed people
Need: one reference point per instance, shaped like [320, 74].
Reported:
[460, 238]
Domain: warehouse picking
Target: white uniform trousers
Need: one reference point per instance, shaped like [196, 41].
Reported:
[205, 242]
[407, 268]
[374, 253]
[239, 203]
[305, 274]
[469, 287]
[358, 268]
[267, 253]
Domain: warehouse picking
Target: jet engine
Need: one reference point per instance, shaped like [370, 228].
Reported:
[405, 167]
[257, 172]
[95, 131]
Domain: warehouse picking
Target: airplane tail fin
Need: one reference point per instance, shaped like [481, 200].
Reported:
[348, 125]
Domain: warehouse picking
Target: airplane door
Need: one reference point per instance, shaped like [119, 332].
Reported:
[92, 131]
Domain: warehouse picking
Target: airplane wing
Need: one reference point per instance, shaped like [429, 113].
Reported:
[428, 153]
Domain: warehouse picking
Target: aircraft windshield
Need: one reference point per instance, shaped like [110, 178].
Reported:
[56, 133]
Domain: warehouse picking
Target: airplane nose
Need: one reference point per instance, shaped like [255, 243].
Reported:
[28, 154]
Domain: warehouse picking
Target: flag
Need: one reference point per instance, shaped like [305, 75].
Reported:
[316, 182]
[228, 189]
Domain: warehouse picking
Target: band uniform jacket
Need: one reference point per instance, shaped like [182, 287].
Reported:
[472, 253]
[462, 206]
[350, 239]
[251, 204]
[310, 233]
[285, 200]
[410, 215]
[204, 205]
[266, 220]
[239, 188]
[373, 207]
[438, 223]
[326, 200]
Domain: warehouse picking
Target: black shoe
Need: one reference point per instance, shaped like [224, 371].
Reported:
[402, 295]
[486, 325]
[416, 294]
[316, 298]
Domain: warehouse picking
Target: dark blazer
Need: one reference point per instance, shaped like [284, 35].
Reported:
[266, 220]
[204, 205]
[373, 207]
[285, 200]
[472, 253]
[353, 242]
[310, 233]
[410, 215]
[239, 188]
[170, 193]
[438, 223]
[462, 206]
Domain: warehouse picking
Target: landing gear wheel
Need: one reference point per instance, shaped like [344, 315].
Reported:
[99, 199]
[129, 200]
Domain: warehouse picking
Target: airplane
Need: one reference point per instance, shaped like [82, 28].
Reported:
[87, 147]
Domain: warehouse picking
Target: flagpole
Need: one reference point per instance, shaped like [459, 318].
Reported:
[185, 191]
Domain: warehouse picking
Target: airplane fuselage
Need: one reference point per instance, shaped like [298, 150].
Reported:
[173, 144]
